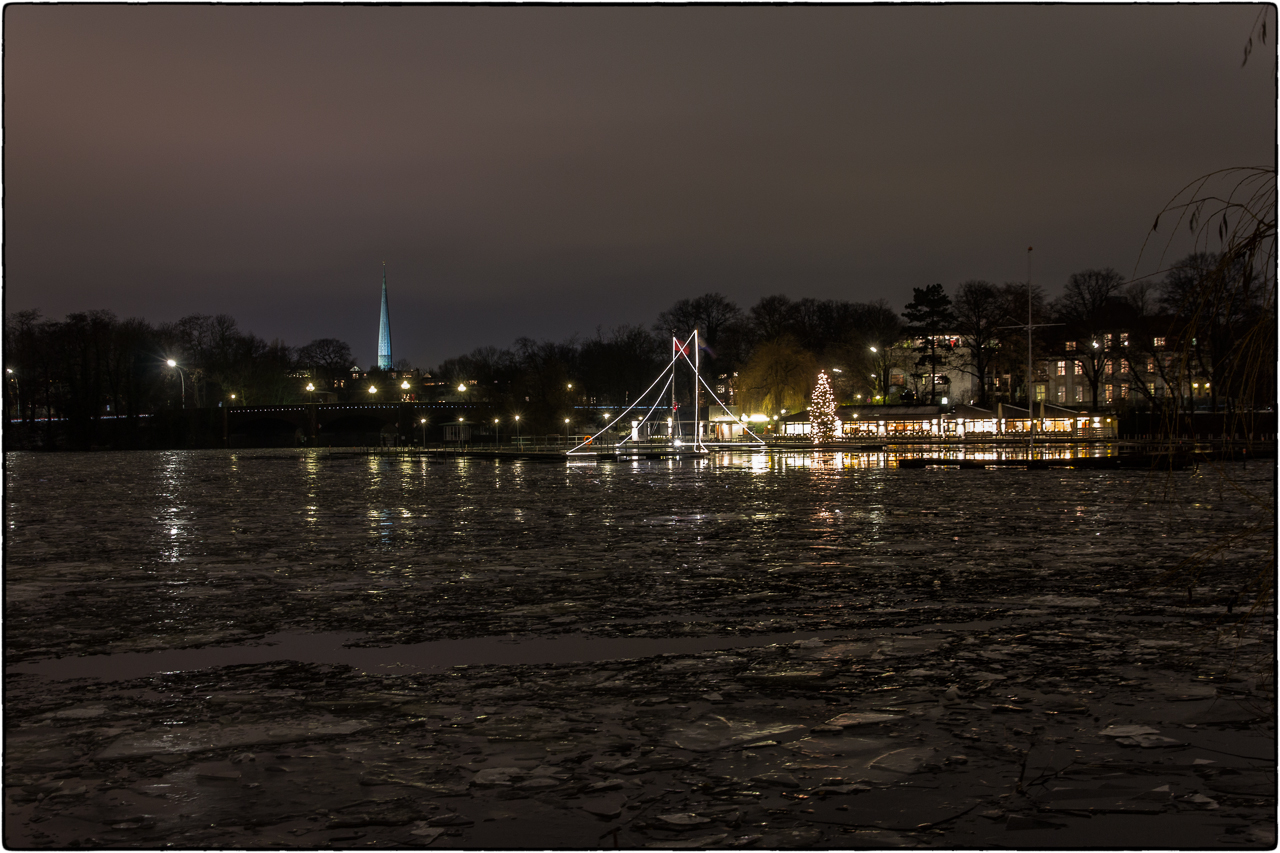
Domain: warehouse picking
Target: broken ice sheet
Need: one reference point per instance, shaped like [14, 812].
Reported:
[833, 747]
[713, 733]
[203, 736]
[861, 718]
[700, 843]
[906, 760]
[424, 833]
[683, 820]
[1148, 741]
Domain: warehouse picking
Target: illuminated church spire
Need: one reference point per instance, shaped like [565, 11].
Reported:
[384, 327]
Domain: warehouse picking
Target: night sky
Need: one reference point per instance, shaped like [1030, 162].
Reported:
[543, 171]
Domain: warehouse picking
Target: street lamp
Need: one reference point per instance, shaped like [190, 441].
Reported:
[178, 367]
[517, 429]
[422, 422]
[462, 386]
[373, 389]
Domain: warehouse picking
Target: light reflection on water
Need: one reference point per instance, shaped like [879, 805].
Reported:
[211, 541]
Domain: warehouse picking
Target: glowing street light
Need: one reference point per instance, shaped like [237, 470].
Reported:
[422, 422]
[178, 367]
[517, 429]
[462, 386]
[405, 385]
[373, 389]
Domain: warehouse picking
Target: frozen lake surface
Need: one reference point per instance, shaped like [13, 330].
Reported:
[231, 595]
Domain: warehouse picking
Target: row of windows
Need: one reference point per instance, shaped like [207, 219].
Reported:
[1109, 339]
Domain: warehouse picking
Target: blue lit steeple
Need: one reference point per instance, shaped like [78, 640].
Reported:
[384, 327]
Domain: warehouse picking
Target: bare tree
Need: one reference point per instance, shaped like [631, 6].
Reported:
[1087, 312]
[980, 312]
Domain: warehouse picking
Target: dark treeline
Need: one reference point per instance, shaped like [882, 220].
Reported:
[93, 365]
[1206, 318]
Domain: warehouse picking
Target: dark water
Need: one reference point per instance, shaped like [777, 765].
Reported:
[139, 552]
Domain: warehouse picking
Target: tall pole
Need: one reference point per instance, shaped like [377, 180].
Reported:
[675, 344]
[697, 424]
[1031, 439]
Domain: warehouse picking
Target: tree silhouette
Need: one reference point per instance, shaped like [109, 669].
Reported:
[929, 316]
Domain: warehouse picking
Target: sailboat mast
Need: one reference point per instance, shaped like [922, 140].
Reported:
[675, 343]
[697, 424]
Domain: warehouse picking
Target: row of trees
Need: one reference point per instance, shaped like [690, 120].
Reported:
[1189, 323]
[93, 364]
[1208, 317]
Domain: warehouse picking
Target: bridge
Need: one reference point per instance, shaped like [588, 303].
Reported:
[322, 424]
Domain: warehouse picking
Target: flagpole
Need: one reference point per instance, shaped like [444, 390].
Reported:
[1031, 420]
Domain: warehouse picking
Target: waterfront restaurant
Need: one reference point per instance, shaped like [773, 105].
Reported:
[956, 422]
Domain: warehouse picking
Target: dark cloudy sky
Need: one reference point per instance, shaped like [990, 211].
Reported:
[543, 171]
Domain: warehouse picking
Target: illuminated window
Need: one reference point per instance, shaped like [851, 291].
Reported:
[1079, 394]
[1124, 339]
[1124, 392]
[1062, 394]
[1106, 340]
[1079, 369]
[1111, 368]
[1071, 346]
[1062, 368]
[1040, 392]
[1111, 393]
[1158, 341]
[1151, 365]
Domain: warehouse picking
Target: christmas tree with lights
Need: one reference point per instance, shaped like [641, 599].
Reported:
[822, 411]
